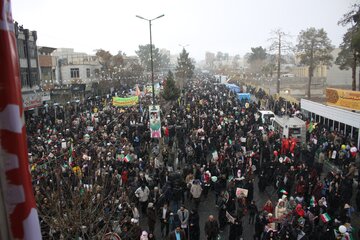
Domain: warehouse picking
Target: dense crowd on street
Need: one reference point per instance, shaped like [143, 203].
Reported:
[96, 170]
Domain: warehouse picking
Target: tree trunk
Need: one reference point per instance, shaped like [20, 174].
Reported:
[359, 81]
[353, 74]
[309, 83]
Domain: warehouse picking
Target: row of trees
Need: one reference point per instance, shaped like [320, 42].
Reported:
[120, 66]
[313, 48]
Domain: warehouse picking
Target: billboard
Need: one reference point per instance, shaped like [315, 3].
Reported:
[343, 98]
[31, 100]
[155, 121]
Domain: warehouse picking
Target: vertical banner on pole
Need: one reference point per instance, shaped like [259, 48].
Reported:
[15, 176]
[155, 122]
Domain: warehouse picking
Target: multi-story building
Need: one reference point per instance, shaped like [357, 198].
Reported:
[29, 66]
[303, 71]
[209, 59]
[75, 68]
[47, 67]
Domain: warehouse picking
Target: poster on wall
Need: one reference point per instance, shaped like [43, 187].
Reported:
[155, 122]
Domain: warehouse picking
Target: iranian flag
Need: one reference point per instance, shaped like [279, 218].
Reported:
[325, 217]
[70, 156]
[18, 215]
[312, 201]
[127, 158]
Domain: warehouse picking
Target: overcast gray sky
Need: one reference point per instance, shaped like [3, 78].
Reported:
[232, 26]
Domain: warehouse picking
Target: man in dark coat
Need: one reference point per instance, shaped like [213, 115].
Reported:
[211, 228]
[236, 229]
[151, 214]
[194, 225]
[178, 232]
[164, 215]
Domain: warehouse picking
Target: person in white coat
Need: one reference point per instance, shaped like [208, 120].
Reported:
[142, 193]
[196, 191]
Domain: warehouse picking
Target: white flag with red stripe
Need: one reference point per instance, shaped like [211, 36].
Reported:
[15, 176]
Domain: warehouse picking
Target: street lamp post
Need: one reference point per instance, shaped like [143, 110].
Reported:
[151, 56]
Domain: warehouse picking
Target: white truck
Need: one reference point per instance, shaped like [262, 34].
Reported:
[290, 126]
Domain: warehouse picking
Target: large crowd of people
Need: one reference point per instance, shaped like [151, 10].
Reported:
[96, 171]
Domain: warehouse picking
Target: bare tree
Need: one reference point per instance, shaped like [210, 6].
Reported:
[280, 45]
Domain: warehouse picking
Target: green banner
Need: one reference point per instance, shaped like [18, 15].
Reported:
[125, 102]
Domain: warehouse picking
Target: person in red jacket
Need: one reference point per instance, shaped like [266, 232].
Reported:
[292, 145]
[285, 145]
[124, 177]
[268, 207]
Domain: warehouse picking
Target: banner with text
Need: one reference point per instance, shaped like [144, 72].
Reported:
[155, 122]
[125, 102]
[343, 98]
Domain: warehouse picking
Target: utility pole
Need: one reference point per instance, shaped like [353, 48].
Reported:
[151, 55]
[278, 66]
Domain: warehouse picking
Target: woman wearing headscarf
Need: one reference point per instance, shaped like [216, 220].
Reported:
[280, 209]
[268, 207]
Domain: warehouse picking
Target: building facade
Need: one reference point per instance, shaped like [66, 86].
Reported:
[75, 68]
[29, 66]
[47, 67]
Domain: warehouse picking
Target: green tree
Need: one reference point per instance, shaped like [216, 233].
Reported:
[160, 61]
[185, 68]
[257, 58]
[171, 92]
[110, 64]
[104, 58]
[348, 56]
[314, 48]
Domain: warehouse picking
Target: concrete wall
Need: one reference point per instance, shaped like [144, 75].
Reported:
[337, 77]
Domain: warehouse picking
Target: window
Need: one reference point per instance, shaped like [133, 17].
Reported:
[88, 72]
[25, 51]
[33, 77]
[24, 79]
[294, 131]
[342, 128]
[348, 131]
[331, 124]
[74, 73]
[20, 46]
[31, 52]
[355, 134]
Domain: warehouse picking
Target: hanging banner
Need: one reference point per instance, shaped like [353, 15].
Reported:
[125, 102]
[155, 122]
[343, 98]
[19, 217]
